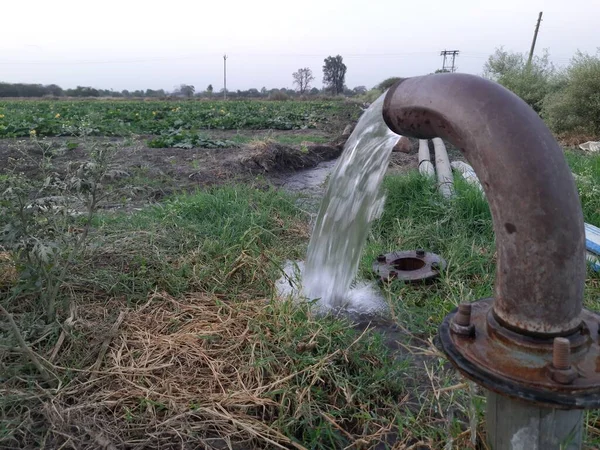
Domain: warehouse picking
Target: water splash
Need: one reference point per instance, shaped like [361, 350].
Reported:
[352, 200]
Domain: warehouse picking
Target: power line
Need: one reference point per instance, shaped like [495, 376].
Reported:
[196, 55]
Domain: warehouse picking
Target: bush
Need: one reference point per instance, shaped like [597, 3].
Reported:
[576, 105]
[370, 96]
[532, 82]
[387, 83]
[278, 96]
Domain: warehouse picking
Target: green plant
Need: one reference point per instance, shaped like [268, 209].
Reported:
[532, 82]
[122, 118]
[576, 105]
[46, 226]
[387, 83]
[187, 139]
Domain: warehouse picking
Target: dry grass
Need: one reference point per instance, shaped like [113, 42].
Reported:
[200, 373]
[177, 373]
[8, 271]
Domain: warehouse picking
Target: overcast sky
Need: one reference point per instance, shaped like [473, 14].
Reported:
[131, 44]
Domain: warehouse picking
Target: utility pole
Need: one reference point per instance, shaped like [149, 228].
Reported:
[446, 54]
[224, 77]
[537, 28]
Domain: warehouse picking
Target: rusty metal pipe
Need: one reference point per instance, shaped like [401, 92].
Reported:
[534, 203]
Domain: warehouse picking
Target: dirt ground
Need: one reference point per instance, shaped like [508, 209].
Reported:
[155, 173]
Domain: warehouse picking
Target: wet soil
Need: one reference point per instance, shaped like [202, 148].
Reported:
[155, 173]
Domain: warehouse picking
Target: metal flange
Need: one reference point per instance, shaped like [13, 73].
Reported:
[555, 372]
[410, 266]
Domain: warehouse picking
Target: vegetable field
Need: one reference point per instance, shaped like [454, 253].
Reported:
[121, 118]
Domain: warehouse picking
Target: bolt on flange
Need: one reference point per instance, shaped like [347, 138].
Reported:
[461, 323]
[561, 372]
[560, 369]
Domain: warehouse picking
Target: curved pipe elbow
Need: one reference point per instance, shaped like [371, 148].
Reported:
[535, 207]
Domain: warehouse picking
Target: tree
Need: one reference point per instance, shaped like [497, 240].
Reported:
[187, 90]
[532, 82]
[83, 91]
[575, 106]
[209, 90]
[302, 79]
[334, 73]
[55, 90]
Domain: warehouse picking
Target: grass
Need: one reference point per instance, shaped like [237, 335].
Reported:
[203, 350]
[586, 167]
[226, 241]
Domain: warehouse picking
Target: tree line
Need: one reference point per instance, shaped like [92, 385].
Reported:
[334, 73]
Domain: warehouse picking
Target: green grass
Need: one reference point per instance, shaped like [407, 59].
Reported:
[328, 385]
[227, 240]
[460, 230]
[586, 167]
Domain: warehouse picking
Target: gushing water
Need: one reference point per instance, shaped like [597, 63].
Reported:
[351, 202]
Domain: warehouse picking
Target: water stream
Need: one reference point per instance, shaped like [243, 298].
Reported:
[352, 200]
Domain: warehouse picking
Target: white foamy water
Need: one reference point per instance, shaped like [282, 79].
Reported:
[361, 299]
[352, 200]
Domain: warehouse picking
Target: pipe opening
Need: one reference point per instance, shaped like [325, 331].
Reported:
[408, 264]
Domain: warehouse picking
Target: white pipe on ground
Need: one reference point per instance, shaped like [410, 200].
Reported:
[442, 167]
[467, 173]
[425, 166]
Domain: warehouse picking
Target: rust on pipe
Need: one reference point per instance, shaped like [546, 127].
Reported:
[535, 207]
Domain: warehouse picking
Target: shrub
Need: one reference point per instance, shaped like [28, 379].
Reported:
[532, 82]
[387, 83]
[278, 96]
[576, 105]
[370, 96]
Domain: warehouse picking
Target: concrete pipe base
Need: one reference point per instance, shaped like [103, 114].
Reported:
[515, 425]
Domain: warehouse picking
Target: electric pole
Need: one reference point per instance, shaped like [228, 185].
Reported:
[224, 77]
[446, 54]
[537, 28]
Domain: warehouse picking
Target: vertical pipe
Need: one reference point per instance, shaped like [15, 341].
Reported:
[443, 169]
[515, 425]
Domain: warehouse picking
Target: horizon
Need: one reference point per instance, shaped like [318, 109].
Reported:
[118, 46]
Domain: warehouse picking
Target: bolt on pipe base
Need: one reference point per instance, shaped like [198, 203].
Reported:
[515, 425]
[561, 372]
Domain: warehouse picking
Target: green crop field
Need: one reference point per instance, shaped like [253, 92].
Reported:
[122, 118]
